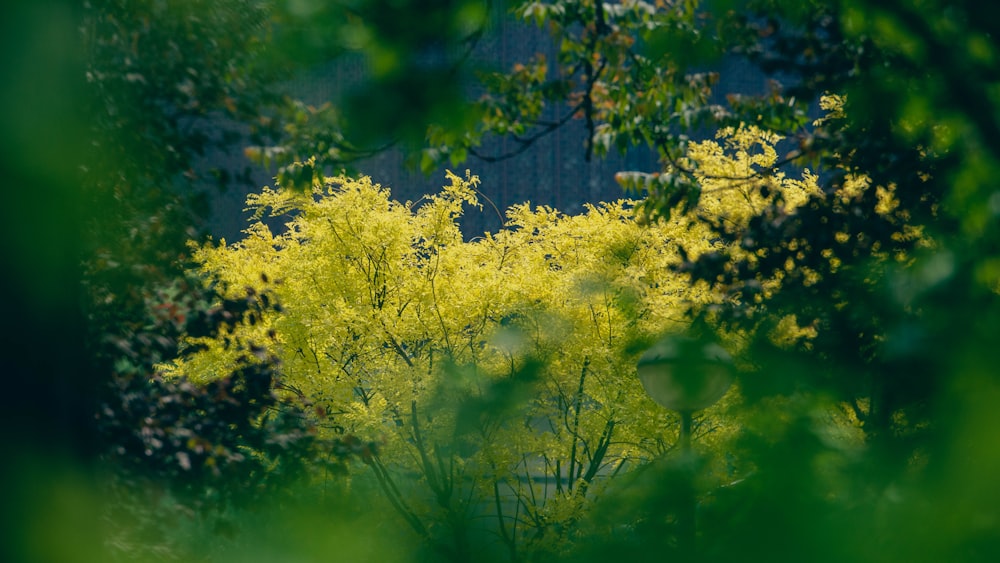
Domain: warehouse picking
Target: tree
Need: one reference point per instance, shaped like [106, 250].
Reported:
[880, 273]
[164, 86]
[877, 266]
[498, 371]
[171, 84]
[866, 277]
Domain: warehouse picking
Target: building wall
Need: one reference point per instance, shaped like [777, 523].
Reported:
[552, 172]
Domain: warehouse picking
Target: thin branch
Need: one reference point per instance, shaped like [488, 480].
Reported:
[396, 498]
[576, 421]
[599, 453]
[524, 143]
[507, 539]
[396, 346]
[493, 205]
[429, 471]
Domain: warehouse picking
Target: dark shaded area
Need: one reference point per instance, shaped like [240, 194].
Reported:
[46, 409]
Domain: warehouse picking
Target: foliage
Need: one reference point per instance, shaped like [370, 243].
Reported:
[167, 85]
[48, 401]
[164, 86]
[873, 302]
[178, 453]
[893, 247]
[497, 372]
[882, 272]
[624, 69]
[413, 83]
[170, 85]
[155, 74]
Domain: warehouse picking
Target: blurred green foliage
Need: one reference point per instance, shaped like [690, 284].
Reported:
[102, 113]
[48, 399]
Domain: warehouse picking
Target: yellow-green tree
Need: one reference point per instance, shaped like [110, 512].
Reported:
[498, 374]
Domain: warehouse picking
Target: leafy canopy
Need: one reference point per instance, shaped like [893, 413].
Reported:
[499, 370]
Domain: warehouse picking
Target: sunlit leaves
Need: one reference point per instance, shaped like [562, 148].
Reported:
[509, 357]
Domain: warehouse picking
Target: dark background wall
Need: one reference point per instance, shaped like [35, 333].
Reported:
[552, 172]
